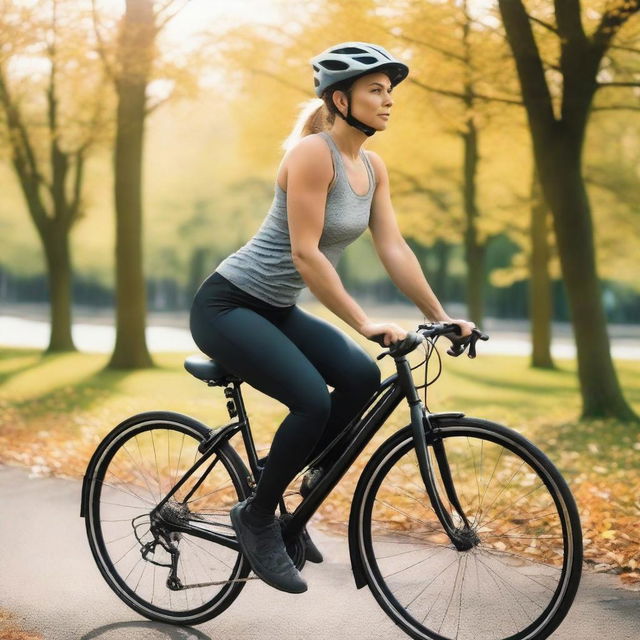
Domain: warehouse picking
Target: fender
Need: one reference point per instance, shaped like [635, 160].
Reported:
[209, 437]
[357, 565]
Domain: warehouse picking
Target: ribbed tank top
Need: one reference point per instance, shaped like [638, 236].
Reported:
[263, 267]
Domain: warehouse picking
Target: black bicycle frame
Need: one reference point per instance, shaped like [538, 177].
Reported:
[357, 435]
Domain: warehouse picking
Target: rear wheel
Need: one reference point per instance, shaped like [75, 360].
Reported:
[140, 461]
[520, 571]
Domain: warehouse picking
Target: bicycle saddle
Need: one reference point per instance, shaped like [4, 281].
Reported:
[212, 372]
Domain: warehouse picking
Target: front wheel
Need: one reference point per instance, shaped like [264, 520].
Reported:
[138, 464]
[517, 577]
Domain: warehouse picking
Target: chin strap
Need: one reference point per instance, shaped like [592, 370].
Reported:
[365, 128]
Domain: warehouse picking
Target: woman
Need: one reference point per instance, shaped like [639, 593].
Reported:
[327, 191]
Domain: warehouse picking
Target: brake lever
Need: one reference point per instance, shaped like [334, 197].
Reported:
[460, 344]
[400, 348]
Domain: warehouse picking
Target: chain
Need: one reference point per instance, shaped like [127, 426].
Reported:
[215, 584]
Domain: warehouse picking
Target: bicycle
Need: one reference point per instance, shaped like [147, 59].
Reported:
[461, 528]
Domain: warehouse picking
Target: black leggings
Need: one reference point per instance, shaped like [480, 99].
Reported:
[290, 355]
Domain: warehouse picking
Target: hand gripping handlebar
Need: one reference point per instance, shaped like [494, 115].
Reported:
[432, 330]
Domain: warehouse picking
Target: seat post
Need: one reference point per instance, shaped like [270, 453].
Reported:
[235, 393]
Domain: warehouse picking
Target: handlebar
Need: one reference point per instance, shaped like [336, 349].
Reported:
[433, 330]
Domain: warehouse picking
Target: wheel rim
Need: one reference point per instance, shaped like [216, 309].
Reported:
[507, 585]
[135, 471]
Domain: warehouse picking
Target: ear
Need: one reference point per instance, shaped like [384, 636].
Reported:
[340, 100]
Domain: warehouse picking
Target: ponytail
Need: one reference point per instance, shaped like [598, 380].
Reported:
[315, 115]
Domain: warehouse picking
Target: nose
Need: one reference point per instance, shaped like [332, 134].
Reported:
[389, 100]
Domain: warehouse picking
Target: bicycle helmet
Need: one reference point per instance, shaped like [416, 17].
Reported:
[349, 61]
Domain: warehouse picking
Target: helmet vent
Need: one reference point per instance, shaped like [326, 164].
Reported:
[349, 50]
[334, 65]
[365, 59]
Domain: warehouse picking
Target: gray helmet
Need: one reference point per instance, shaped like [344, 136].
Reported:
[350, 60]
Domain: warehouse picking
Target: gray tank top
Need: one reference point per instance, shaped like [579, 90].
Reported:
[263, 267]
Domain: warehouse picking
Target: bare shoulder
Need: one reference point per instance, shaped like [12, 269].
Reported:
[311, 156]
[378, 165]
[311, 146]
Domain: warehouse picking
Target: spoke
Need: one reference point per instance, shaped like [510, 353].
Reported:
[412, 497]
[431, 582]
[126, 506]
[224, 486]
[495, 466]
[433, 604]
[195, 544]
[511, 588]
[400, 553]
[122, 469]
[515, 473]
[453, 592]
[511, 505]
[102, 520]
[410, 566]
[126, 553]
[426, 543]
[175, 480]
[155, 457]
[127, 535]
[515, 624]
[130, 493]
[153, 584]
[473, 459]
[422, 522]
[529, 519]
[132, 568]
[142, 464]
[144, 567]
[520, 557]
[186, 593]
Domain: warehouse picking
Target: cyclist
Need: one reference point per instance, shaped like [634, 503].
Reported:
[245, 315]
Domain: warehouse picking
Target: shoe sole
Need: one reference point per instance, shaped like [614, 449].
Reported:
[237, 525]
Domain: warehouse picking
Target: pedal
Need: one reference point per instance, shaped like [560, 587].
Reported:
[310, 480]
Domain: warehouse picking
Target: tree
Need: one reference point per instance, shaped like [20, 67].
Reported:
[540, 300]
[558, 144]
[131, 71]
[50, 164]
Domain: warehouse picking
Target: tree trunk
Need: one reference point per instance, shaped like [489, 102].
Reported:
[56, 246]
[135, 52]
[441, 272]
[540, 283]
[565, 191]
[558, 147]
[474, 250]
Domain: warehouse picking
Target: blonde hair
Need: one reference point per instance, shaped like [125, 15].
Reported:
[315, 115]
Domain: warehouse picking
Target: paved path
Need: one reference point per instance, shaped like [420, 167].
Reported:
[93, 330]
[51, 583]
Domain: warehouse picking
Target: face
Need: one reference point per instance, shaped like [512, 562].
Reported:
[370, 99]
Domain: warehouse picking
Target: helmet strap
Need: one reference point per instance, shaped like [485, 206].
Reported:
[354, 122]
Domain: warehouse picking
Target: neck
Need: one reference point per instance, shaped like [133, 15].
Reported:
[347, 138]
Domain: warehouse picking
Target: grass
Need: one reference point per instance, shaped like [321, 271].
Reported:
[54, 409]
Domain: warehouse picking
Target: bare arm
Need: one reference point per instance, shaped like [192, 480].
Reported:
[397, 256]
[309, 174]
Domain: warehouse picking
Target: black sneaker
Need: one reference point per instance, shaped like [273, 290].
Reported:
[264, 548]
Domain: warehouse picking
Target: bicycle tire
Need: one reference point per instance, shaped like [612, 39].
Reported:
[137, 492]
[547, 585]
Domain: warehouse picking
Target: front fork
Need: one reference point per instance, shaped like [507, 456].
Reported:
[463, 538]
